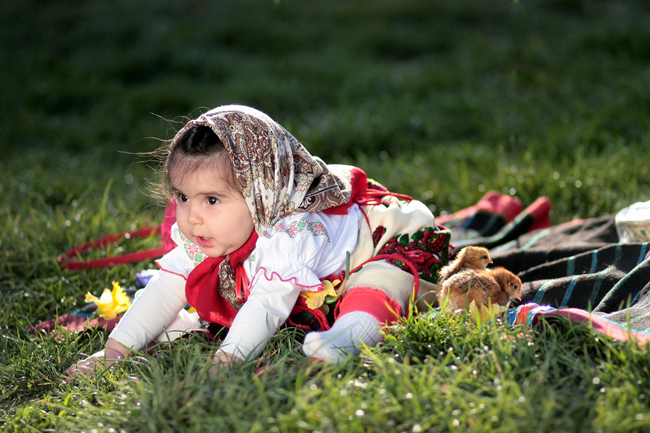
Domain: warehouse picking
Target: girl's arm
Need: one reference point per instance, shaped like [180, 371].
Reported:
[268, 306]
[153, 309]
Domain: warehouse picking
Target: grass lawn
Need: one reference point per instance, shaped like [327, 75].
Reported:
[443, 101]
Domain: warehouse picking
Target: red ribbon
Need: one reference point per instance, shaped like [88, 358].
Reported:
[72, 259]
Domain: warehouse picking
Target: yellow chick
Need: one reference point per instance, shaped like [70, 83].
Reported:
[468, 258]
[482, 287]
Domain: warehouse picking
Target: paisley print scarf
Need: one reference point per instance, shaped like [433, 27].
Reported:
[276, 174]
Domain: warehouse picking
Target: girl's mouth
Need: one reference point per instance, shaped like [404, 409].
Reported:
[203, 242]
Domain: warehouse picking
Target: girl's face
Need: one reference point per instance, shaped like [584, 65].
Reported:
[209, 210]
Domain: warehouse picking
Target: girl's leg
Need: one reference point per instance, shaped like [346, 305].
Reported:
[362, 313]
[380, 292]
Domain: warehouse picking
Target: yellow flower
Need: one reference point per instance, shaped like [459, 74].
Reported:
[316, 299]
[485, 313]
[111, 303]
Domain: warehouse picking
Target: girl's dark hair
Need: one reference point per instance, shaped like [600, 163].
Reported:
[199, 141]
[191, 149]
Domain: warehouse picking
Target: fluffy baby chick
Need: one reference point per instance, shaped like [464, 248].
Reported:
[466, 285]
[468, 258]
[484, 287]
[509, 287]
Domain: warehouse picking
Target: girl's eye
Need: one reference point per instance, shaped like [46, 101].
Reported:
[213, 200]
[182, 198]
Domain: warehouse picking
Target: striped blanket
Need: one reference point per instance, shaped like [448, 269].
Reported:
[579, 268]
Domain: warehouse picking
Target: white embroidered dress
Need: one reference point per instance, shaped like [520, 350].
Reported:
[288, 258]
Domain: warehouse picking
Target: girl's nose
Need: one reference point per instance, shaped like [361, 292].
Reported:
[194, 215]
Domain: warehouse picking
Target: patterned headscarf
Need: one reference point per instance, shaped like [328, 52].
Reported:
[276, 174]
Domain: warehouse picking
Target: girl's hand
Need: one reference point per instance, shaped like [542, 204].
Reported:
[224, 361]
[113, 353]
[102, 359]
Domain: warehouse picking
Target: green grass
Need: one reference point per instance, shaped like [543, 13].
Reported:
[439, 100]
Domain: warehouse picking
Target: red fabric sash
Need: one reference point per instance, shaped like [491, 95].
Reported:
[202, 287]
[364, 193]
[359, 182]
